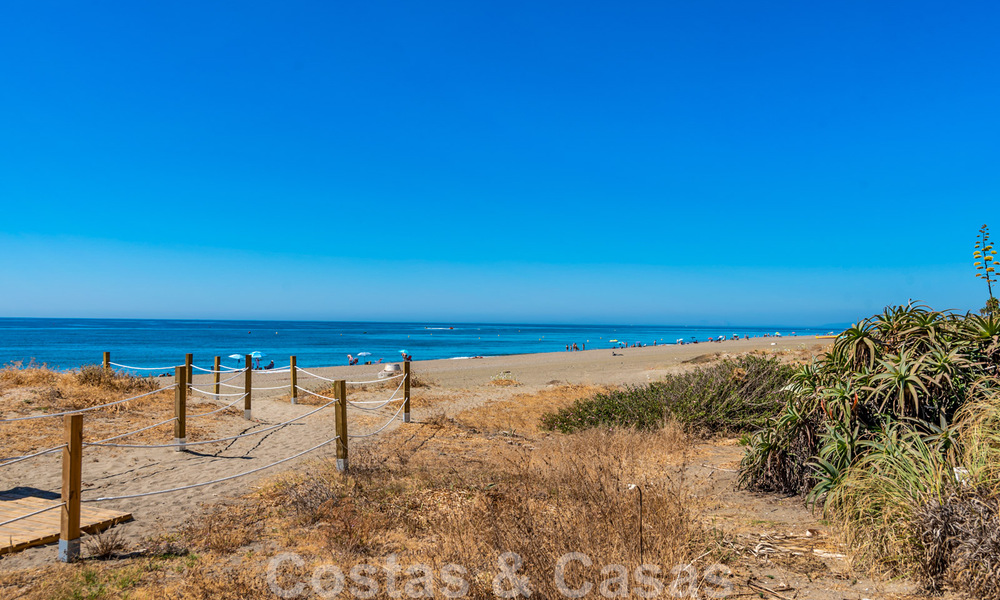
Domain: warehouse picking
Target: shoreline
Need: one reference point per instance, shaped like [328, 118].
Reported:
[72, 344]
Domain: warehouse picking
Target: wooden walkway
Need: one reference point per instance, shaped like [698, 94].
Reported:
[44, 528]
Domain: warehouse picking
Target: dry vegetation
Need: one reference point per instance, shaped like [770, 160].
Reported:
[461, 491]
[27, 390]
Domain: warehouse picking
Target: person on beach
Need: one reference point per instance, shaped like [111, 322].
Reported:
[270, 365]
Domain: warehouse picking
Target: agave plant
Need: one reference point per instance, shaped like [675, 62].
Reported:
[894, 322]
[984, 335]
[856, 346]
[836, 454]
[877, 415]
[901, 382]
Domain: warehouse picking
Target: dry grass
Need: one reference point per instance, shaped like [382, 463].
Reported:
[443, 491]
[445, 495]
[523, 413]
[504, 379]
[105, 545]
[505, 382]
[228, 528]
[33, 390]
[960, 539]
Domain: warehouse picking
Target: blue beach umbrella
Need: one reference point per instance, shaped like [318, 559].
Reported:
[364, 353]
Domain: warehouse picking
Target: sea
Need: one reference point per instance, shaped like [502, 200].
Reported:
[156, 345]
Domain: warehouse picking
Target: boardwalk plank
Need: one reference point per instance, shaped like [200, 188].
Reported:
[44, 528]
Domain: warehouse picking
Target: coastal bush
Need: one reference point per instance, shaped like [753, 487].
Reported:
[20, 374]
[109, 379]
[732, 396]
[885, 430]
[566, 494]
[504, 378]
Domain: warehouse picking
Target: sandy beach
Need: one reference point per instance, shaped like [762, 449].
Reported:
[595, 367]
[445, 387]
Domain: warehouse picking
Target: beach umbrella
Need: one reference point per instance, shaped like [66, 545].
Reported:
[257, 354]
[612, 341]
[235, 356]
[402, 351]
[364, 353]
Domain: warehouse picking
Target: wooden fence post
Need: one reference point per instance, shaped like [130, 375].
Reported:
[406, 392]
[218, 375]
[180, 409]
[247, 387]
[189, 371]
[295, 381]
[107, 361]
[340, 387]
[72, 466]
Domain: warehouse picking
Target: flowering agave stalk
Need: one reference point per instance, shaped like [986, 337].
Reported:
[985, 257]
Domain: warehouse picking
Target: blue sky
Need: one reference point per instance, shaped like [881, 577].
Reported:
[661, 162]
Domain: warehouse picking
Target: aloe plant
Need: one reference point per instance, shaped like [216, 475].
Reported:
[903, 407]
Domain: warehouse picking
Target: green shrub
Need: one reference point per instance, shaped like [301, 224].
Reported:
[888, 432]
[733, 396]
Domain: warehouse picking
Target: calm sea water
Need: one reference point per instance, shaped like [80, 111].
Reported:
[70, 343]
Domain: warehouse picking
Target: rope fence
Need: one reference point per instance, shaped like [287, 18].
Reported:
[130, 368]
[277, 371]
[118, 437]
[214, 395]
[212, 412]
[382, 428]
[222, 370]
[89, 408]
[238, 373]
[302, 389]
[388, 378]
[73, 447]
[315, 376]
[16, 459]
[215, 441]
[380, 403]
[204, 483]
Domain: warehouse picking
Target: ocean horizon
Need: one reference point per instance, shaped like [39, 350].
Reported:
[69, 343]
